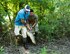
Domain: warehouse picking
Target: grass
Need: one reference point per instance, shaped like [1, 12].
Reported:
[1, 50]
[43, 51]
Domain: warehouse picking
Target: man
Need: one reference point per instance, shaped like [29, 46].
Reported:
[20, 24]
[33, 22]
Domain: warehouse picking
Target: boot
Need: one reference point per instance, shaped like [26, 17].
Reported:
[25, 43]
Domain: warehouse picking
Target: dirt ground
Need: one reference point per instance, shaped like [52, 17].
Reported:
[59, 46]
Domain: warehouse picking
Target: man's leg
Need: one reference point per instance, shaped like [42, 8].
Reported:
[16, 31]
[24, 35]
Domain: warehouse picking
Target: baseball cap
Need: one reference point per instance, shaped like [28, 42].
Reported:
[27, 8]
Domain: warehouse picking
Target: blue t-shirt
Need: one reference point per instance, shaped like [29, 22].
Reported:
[21, 15]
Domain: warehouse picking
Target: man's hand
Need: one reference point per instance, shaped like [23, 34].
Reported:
[23, 21]
[29, 28]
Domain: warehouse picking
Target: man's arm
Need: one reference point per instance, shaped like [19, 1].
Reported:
[34, 25]
[36, 21]
[26, 24]
[23, 21]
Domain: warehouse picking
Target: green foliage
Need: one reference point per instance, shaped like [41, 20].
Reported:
[1, 50]
[56, 26]
[55, 23]
[46, 51]
[54, 15]
[43, 51]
